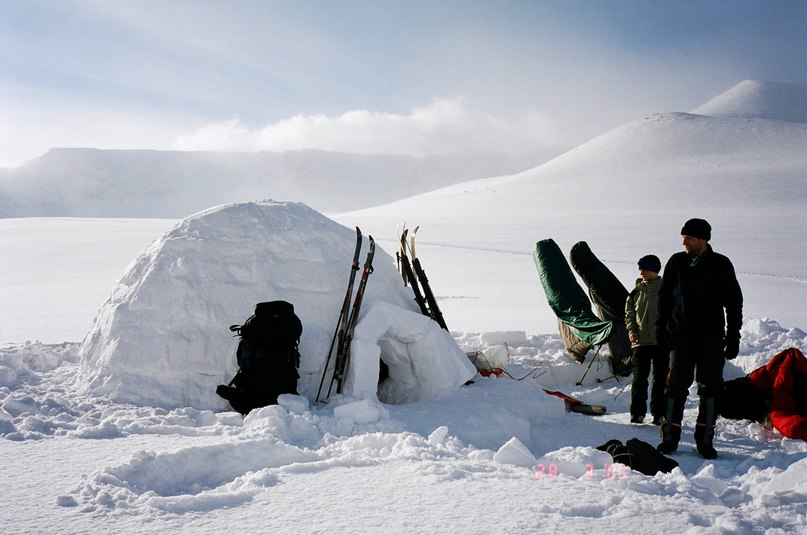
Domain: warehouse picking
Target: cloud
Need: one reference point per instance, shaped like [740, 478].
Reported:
[535, 77]
[443, 126]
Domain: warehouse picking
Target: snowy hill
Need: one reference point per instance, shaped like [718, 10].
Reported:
[142, 183]
[761, 100]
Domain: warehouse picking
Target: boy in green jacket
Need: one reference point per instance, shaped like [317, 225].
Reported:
[640, 320]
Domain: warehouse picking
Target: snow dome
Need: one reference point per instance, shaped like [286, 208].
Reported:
[162, 337]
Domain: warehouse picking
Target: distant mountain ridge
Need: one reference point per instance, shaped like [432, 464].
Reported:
[753, 121]
[172, 184]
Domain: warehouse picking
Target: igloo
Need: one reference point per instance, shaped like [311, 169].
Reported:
[162, 337]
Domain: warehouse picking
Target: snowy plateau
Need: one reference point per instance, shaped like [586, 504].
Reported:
[114, 335]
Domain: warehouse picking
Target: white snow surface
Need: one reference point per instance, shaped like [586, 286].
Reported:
[119, 434]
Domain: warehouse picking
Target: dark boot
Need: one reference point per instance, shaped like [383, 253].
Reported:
[671, 426]
[670, 435]
[705, 428]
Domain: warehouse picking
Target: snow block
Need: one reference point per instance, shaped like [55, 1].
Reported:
[516, 453]
[423, 359]
[362, 412]
[162, 337]
[495, 338]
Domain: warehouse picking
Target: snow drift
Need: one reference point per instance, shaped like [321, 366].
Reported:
[162, 337]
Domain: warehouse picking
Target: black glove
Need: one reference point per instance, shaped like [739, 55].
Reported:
[732, 347]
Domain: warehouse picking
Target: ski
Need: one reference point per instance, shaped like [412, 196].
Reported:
[412, 242]
[342, 321]
[408, 276]
[343, 355]
[413, 273]
[576, 405]
[431, 300]
[401, 256]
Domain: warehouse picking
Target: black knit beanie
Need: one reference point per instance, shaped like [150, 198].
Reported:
[697, 228]
[650, 263]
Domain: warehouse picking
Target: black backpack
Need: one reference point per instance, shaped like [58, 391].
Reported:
[267, 356]
[270, 336]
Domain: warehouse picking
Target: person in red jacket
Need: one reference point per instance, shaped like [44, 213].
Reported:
[699, 318]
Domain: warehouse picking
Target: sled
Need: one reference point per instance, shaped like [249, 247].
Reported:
[576, 405]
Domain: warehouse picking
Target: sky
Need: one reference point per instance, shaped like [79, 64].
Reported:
[407, 77]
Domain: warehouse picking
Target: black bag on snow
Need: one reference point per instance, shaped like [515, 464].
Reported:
[639, 456]
[740, 400]
[267, 356]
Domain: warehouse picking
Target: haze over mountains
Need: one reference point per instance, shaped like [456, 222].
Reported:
[170, 184]
[173, 184]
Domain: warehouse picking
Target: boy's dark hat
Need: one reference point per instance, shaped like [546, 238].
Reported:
[650, 263]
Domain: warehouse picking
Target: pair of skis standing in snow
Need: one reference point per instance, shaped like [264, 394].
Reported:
[346, 323]
[413, 275]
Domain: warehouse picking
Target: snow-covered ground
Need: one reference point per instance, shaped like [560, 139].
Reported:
[495, 456]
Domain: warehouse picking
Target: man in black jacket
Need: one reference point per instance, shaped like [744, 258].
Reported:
[699, 318]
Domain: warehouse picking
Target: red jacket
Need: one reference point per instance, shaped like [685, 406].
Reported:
[776, 379]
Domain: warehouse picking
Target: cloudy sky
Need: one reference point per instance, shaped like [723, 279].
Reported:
[372, 76]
